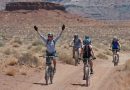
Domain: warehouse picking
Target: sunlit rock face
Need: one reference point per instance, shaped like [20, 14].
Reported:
[98, 9]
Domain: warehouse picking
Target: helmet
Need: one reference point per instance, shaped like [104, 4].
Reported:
[50, 35]
[87, 40]
[87, 37]
[115, 38]
[75, 35]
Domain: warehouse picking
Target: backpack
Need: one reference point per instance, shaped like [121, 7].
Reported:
[115, 45]
[87, 51]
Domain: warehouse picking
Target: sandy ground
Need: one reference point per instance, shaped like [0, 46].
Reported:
[67, 77]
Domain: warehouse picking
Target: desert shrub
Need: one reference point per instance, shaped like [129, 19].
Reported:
[95, 49]
[24, 73]
[1, 44]
[65, 56]
[28, 59]
[127, 65]
[11, 72]
[37, 42]
[17, 40]
[12, 62]
[108, 53]
[16, 45]
[7, 52]
[102, 56]
[37, 49]
[125, 47]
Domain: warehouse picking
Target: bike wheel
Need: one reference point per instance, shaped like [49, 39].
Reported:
[87, 76]
[47, 75]
[51, 75]
[115, 60]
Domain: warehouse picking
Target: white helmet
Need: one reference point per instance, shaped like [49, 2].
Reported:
[115, 38]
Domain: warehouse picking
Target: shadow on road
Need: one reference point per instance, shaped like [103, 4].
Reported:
[40, 83]
[82, 85]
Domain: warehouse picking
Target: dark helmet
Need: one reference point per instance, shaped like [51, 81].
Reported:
[87, 40]
[76, 36]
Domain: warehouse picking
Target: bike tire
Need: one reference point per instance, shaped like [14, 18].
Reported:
[87, 77]
[51, 75]
[47, 75]
[115, 61]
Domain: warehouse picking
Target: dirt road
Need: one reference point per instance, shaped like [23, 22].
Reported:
[67, 77]
[70, 77]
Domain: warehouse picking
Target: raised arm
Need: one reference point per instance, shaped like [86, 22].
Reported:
[57, 38]
[42, 37]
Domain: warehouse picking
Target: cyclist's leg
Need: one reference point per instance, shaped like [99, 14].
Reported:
[118, 56]
[73, 52]
[80, 54]
[54, 63]
[84, 71]
[91, 66]
[113, 56]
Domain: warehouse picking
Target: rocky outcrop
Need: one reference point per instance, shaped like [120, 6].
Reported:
[11, 6]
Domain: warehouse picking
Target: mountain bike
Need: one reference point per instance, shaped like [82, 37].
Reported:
[49, 69]
[87, 70]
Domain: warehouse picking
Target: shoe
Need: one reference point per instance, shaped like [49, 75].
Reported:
[91, 71]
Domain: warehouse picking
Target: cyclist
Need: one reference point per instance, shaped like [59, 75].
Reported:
[77, 45]
[88, 53]
[50, 44]
[115, 45]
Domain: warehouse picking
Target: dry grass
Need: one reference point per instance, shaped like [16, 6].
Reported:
[65, 56]
[125, 47]
[37, 43]
[102, 56]
[11, 72]
[1, 44]
[38, 49]
[16, 45]
[95, 49]
[28, 58]
[16, 40]
[127, 65]
[108, 53]
[7, 51]
[12, 62]
[24, 73]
